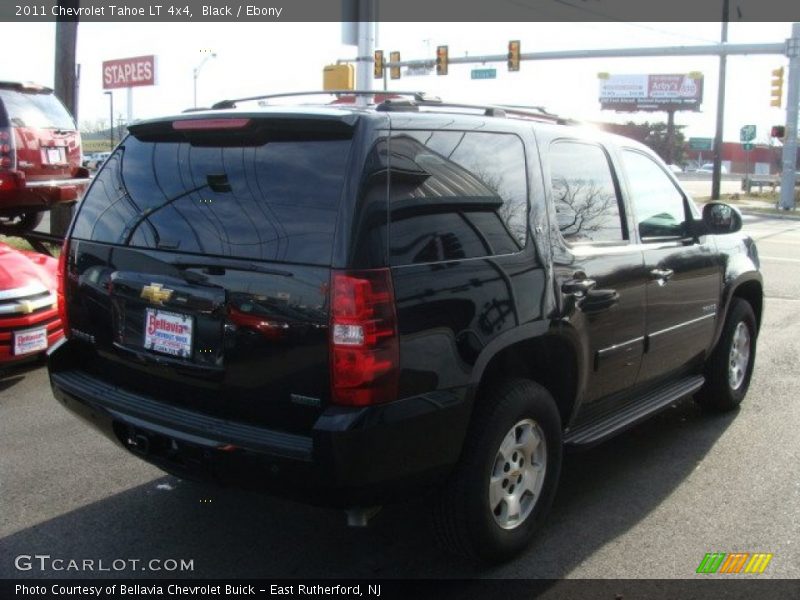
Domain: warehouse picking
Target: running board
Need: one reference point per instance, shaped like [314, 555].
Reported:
[597, 431]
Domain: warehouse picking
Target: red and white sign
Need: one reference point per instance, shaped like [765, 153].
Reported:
[129, 72]
[651, 92]
[168, 332]
[31, 340]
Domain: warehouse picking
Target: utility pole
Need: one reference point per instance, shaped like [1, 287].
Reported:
[110, 95]
[670, 136]
[789, 162]
[66, 89]
[367, 17]
[717, 171]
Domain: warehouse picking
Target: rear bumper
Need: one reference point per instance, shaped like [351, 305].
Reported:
[352, 457]
[42, 194]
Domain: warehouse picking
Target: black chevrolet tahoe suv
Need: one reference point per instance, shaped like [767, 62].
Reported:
[348, 304]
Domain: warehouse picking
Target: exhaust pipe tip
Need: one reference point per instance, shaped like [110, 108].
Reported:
[360, 517]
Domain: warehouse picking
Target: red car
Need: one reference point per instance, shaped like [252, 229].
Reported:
[40, 155]
[29, 321]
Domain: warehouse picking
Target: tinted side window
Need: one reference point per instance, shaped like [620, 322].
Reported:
[657, 203]
[456, 195]
[585, 197]
[272, 201]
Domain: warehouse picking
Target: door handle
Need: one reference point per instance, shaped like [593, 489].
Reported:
[598, 300]
[577, 287]
[662, 274]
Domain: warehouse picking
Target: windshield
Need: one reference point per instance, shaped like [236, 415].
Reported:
[277, 200]
[35, 110]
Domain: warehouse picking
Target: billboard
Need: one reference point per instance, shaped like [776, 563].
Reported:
[129, 72]
[651, 92]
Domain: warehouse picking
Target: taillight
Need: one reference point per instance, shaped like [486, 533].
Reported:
[61, 289]
[365, 351]
[8, 157]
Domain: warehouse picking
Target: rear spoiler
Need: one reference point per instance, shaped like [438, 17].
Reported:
[26, 86]
[244, 128]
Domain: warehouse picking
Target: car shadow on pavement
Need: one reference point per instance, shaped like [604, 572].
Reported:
[604, 492]
[11, 376]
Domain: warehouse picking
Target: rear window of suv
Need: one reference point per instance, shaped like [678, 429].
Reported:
[41, 111]
[270, 200]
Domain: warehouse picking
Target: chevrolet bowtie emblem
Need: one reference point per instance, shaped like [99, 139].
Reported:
[25, 306]
[156, 293]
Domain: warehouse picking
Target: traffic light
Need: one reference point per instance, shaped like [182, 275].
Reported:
[777, 87]
[378, 65]
[777, 131]
[394, 72]
[338, 77]
[441, 60]
[513, 55]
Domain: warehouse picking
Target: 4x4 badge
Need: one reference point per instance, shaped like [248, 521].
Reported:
[156, 293]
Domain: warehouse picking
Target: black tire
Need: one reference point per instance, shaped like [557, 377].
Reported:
[24, 222]
[718, 394]
[465, 523]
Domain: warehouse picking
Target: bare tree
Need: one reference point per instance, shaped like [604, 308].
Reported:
[582, 207]
[513, 211]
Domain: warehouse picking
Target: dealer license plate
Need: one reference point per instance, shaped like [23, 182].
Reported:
[30, 340]
[168, 333]
[56, 156]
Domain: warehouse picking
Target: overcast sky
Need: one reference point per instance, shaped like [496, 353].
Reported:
[255, 58]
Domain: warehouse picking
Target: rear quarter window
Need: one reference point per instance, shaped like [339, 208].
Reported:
[271, 201]
[456, 195]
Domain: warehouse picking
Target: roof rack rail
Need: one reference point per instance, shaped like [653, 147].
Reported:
[540, 111]
[536, 113]
[413, 101]
[405, 105]
[417, 96]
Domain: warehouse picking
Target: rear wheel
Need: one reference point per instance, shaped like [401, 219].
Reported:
[730, 366]
[503, 486]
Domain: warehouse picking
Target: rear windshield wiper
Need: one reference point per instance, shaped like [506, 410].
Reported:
[217, 183]
[127, 233]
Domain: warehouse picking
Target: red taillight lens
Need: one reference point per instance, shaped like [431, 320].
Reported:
[365, 351]
[10, 182]
[7, 152]
[61, 290]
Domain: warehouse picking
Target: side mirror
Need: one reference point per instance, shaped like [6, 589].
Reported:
[719, 217]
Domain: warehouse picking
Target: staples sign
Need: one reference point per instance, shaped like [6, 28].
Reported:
[129, 72]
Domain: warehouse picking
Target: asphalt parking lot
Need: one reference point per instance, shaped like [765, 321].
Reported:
[647, 504]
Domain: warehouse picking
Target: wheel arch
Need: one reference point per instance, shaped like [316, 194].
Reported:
[752, 291]
[548, 358]
[748, 287]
